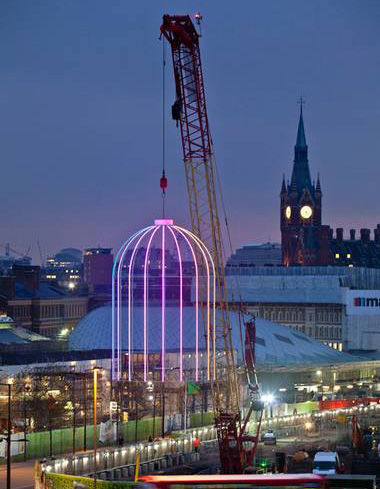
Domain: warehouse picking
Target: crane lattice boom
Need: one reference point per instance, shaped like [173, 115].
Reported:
[189, 110]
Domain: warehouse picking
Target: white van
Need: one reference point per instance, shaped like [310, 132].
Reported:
[326, 463]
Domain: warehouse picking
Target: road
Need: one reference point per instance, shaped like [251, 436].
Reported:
[22, 475]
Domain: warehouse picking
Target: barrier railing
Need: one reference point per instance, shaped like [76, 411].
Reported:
[116, 463]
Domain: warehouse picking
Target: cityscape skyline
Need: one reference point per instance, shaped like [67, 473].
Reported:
[81, 116]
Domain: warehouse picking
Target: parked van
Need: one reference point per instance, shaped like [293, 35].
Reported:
[326, 463]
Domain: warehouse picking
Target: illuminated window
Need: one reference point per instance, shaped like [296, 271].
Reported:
[340, 346]
[336, 255]
[350, 265]
[348, 255]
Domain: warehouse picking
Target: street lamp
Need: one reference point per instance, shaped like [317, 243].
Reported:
[95, 370]
[9, 385]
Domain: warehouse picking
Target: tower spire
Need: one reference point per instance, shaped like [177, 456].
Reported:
[301, 173]
[301, 138]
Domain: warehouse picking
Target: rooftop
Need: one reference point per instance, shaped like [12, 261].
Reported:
[275, 344]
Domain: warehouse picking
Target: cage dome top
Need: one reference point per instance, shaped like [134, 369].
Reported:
[166, 266]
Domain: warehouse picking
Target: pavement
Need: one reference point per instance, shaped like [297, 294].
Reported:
[21, 475]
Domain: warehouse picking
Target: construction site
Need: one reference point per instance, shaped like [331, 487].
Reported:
[177, 376]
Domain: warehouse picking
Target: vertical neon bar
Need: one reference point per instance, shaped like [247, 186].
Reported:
[204, 248]
[196, 297]
[163, 295]
[199, 243]
[214, 299]
[146, 304]
[130, 301]
[116, 301]
[180, 305]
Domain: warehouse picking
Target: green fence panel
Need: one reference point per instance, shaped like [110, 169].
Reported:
[38, 444]
[60, 481]
[199, 419]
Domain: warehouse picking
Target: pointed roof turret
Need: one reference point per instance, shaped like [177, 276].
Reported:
[283, 186]
[318, 187]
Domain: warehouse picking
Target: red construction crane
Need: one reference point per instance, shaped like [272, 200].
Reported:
[190, 112]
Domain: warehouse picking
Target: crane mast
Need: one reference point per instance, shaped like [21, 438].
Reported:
[190, 112]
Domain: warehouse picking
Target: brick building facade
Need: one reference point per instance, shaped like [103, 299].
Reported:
[40, 306]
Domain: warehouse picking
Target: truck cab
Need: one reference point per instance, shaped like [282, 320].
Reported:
[326, 463]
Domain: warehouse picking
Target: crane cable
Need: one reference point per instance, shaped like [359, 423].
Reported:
[237, 281]
[163, 179]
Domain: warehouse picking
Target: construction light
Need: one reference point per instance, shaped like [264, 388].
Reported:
[267, 398]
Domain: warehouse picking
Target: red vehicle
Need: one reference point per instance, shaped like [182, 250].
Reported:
[235, 481]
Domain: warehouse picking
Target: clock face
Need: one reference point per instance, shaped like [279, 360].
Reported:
[288, 212]
[306, 212]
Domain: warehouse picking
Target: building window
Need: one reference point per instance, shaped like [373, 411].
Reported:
[336, 255]
[348, 255]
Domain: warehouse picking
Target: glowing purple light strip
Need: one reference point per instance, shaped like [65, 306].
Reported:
[163, 222]
[130, 301]
[163, 293]
[202, 247]
[180, 305]
[119, 299]
[183, 234]
[146, 304]
[214, 298]
[116, 303]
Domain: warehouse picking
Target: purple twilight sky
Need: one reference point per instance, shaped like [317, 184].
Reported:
[81, 109]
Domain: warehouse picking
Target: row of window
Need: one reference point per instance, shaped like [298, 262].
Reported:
[335, 345]
[300, 315]
[51, 311]
[328, 332]
[21, 312]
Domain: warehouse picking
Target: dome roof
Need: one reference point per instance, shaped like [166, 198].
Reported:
[69, 255]
[275, 344]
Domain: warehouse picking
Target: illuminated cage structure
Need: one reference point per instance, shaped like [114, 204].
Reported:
[163, 271]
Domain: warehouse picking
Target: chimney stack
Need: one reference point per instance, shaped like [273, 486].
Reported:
[365, 235]
[339, 234]
[377, 234]
[352, 234]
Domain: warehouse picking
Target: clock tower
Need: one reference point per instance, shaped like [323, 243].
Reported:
[304, 239]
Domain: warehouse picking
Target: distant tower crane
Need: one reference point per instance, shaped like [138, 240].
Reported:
[189, 111]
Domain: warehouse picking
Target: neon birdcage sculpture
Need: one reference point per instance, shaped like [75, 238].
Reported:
[142, 275]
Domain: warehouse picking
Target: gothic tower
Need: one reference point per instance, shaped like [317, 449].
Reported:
[304, 240]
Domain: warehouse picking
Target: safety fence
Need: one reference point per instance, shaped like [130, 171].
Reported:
[59, 441]
[120, 463]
